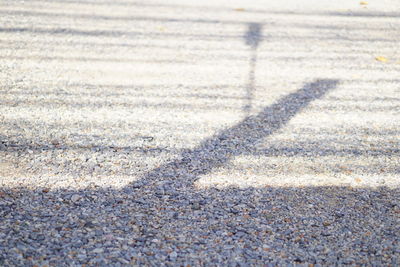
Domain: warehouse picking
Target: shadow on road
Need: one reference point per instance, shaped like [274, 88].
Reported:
[164, 218]
[241, 138]
[253, 37]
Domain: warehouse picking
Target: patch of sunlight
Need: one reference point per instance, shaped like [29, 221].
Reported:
[250, 171]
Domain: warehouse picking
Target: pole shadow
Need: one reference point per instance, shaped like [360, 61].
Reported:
[252, 38]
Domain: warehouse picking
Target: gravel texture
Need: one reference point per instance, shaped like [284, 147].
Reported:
[187, 133]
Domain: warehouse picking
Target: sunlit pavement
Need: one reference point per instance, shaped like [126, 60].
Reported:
[199, 132]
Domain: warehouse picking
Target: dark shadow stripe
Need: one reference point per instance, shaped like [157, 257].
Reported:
[239, 139]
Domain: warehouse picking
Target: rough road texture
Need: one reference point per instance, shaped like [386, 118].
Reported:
[199, 133]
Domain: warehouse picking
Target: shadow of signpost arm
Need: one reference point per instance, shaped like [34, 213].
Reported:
[241, 138]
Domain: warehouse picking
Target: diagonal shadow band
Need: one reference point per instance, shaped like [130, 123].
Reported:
[241, 138]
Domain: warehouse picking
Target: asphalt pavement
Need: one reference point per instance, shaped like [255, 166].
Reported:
[188, 133]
